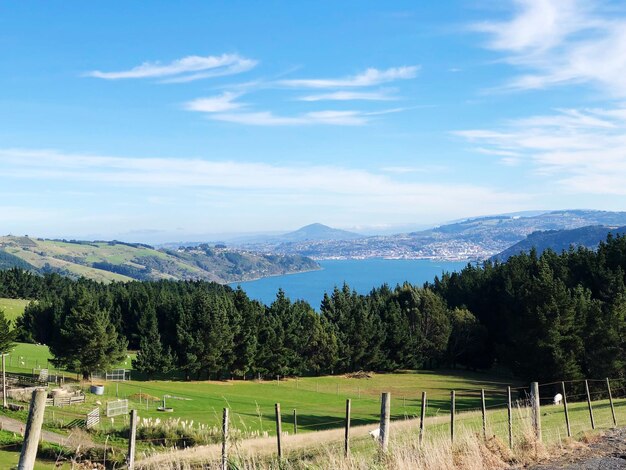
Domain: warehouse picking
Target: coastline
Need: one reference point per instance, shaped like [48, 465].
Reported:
[258, 278]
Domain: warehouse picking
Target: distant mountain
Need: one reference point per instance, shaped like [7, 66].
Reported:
[472, 239]
[119, 261]
[266, 241]
[561, 240]
[317, 232]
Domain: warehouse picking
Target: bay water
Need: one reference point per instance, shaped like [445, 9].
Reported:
[360, 275]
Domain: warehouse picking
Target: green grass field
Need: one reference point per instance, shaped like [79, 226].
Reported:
[320, 402]
[9, 459]
[13, 308]
[25, 357]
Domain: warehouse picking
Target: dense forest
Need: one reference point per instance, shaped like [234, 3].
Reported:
[554, 316]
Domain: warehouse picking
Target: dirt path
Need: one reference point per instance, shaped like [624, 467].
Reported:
[16, 426]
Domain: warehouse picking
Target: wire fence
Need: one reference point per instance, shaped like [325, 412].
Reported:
[592, 404]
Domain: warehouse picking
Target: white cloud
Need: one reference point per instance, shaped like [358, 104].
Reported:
[582, 151]
[241, 185]
[370, 77]
[380, 95]
[267, 118]
[403, 170]
[329, 117]
[537, 25]
[183, 70]
[563, 42]
[214, 104]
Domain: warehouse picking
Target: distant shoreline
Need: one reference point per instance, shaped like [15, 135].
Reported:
[275, 275]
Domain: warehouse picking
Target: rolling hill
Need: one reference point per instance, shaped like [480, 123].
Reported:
[471, 239]
[317, 232]
[560, 240]
[109, 261]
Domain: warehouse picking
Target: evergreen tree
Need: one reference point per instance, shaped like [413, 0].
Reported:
[7, 336]
[84, 339]
[466, 344]
[205, 336]
[152, 357]
[247, 318]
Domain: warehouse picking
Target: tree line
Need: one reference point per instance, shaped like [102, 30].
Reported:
[204, 329]
[541, 317]
[549, 316]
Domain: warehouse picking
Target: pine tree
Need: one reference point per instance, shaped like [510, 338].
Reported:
[7, 336]
[204, 335]
[85, 339]
[152, 357]
[248, 315]
[467, 340]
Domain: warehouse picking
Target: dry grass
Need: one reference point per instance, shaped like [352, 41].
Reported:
[471, 449]
[320, 450]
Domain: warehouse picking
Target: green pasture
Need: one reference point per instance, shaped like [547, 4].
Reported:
[319, 402]
[25, 357]
[13, 308]
[9, 459]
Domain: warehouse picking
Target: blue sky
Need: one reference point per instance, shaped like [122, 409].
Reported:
[167, 121]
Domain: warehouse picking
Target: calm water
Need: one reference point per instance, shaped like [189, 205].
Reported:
[361, 275]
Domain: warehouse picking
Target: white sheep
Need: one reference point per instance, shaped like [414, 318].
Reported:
[558, 398]
[375, 434]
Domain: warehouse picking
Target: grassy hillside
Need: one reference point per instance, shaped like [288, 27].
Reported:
[109, 261]
[13, 308]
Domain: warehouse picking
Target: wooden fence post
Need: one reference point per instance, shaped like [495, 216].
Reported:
[484, 411]
[346, 449]
[510, 416]
[225, 440]
[4, 382]
[278, 430]
[452, 411]
[33, 430]
[536, 409]
[569, 431]
[295, 422]
[422, 417]
[385, 411]
[131, 440]
[608, 387]
[593, 423]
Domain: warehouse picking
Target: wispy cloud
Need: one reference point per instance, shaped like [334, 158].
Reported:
[404, 170]
[562, 42]
[328, 188]
[223, 107]
[267, 118]
[582, 150]
[183, 70]
[215, 104]
[370, 77]
[380, 95]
